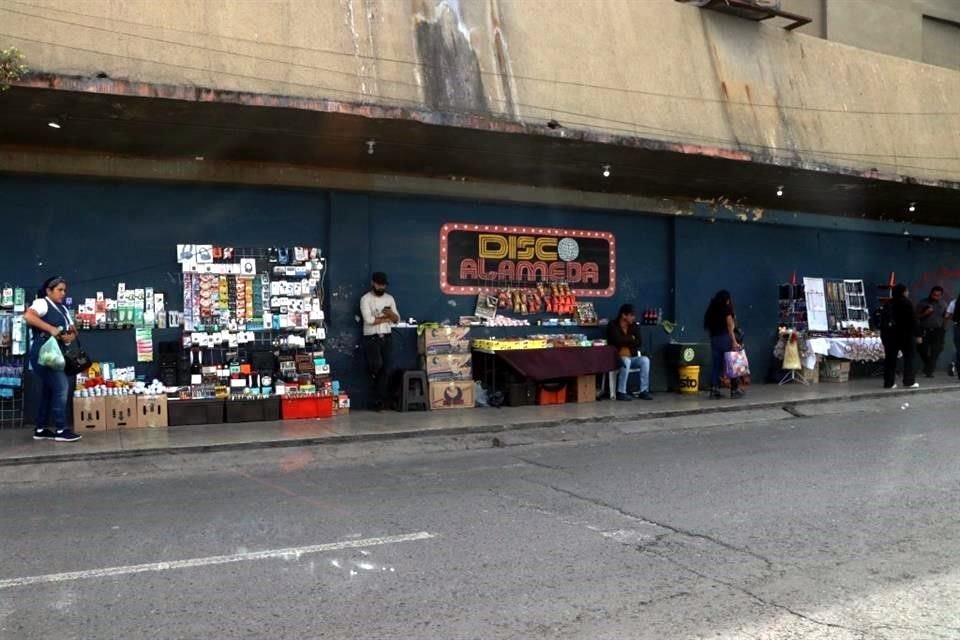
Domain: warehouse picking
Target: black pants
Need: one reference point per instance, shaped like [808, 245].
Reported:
[378, 365]
[891, 346]
[930, 349]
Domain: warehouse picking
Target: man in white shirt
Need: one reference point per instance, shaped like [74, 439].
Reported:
[379, 311]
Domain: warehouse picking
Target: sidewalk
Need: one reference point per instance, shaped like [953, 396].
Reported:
[18, 447]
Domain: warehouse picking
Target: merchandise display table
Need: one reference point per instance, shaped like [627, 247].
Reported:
[545, 364]
[561, 362]
[856, 349]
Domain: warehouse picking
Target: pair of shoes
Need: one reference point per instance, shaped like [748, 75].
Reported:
[43, 434]
[915, 385]
[67, 435]
[737, 393]
[645, 395]
[624, 397]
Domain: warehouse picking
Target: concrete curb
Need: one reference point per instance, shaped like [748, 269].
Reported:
[492, 428]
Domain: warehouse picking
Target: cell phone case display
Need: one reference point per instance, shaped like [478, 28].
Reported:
[243, 292]
[254, 330]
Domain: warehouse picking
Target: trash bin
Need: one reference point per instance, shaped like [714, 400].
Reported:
[680, 356]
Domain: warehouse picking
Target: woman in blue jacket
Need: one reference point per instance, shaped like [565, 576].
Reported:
[48, 317]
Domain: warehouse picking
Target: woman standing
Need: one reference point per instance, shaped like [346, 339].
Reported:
[898, 332]
[48, 317]
[720, 320]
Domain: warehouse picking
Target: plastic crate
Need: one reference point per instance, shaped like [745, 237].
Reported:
[550, 393]
[195, 412]
[307, 407]
[253, 409]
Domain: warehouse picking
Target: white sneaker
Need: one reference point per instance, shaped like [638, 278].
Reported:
[893, 387]
[915, 385]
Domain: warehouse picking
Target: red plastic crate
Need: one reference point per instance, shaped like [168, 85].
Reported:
[305, 408]
[550, 396]
[299, 408]
[325, 407]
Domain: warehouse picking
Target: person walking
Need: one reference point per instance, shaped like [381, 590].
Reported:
[931, 315]
[624, 335]
[898, 332]
[720, 321]
[47, 317]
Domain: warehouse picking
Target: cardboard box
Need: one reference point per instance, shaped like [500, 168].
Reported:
[89, 414]
[122, 412]
[445, 340]
[582, 389]
[455, 394]
[835, 371]
[449, 366]
[152, 411]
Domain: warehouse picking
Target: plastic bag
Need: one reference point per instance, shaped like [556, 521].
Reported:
[51, 356]
[736, 364]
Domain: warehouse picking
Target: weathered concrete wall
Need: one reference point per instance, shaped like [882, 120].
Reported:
[653, 68]
[889, 26]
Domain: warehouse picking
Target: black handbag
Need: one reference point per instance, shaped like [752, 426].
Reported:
[75, 358]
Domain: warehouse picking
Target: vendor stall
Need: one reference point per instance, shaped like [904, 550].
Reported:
[824, 327]
[520, 367]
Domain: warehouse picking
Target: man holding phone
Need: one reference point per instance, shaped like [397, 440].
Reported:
[379, 311]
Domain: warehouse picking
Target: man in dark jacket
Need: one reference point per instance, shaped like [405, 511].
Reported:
[624, 334]
[898, 331]
[931, 316]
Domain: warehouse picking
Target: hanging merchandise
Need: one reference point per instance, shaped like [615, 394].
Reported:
[254, 327]
[144, 344]
[131, 308]
[18, 336]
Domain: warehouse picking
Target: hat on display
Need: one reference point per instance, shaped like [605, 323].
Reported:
[379, 277]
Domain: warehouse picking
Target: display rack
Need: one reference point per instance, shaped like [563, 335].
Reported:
[11, 389]
[13, 347]
[792, 307]
[249, 314]
[858, 314]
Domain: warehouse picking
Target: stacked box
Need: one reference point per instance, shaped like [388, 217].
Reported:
[438, 340]
[835, 371]
[448, 366]
[122, 412]
[455, 394]
[152, 411]
[89, 414]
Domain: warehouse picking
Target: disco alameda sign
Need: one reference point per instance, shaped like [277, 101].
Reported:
[480, 258]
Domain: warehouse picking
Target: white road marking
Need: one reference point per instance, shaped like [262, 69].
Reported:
[288, 553]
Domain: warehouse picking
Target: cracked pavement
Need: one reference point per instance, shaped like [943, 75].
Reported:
[833, 526]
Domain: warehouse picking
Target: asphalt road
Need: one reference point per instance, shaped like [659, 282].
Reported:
[842, 524]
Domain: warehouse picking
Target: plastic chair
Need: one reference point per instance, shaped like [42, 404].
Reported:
[413, 391]
[612, 381]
